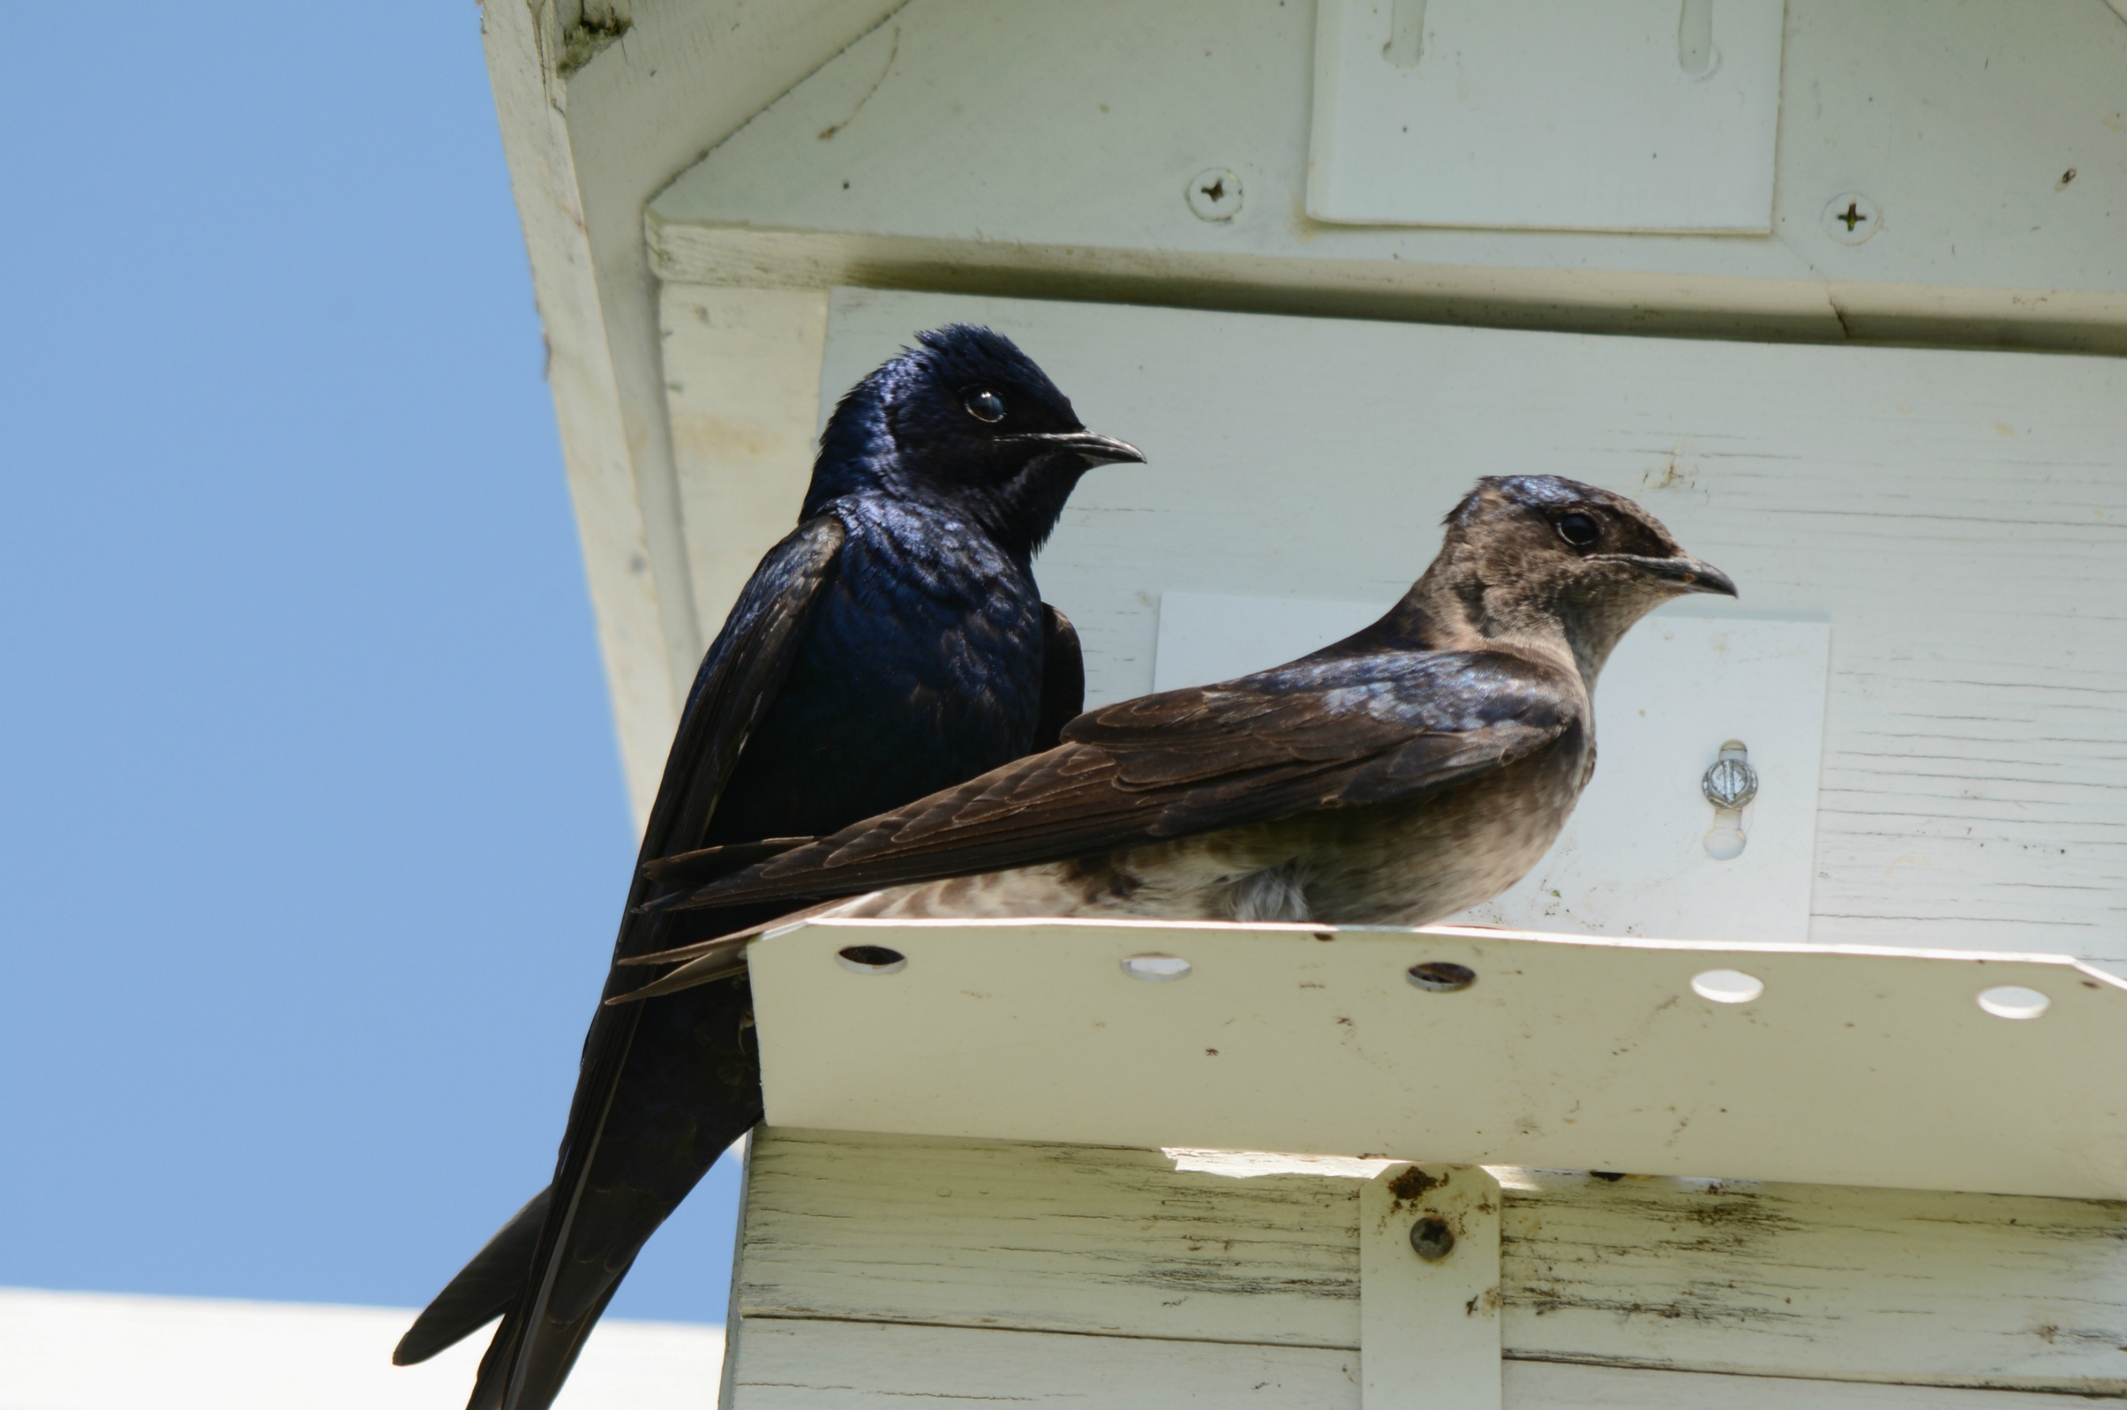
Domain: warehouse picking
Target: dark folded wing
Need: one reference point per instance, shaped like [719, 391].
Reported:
[744, 668]
[1063, 678]
[739, 678]
[1340, 733]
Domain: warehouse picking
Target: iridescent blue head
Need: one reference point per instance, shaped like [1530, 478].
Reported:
[965, 420]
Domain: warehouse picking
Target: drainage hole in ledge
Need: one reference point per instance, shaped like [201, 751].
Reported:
[1155, 969]
[871, 959]
[1441, 977]
[2014, 1001]
[1727, 986]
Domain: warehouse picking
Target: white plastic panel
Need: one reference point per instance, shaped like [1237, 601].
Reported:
[1853, 1067]
[1634, 859]
[1629, 115]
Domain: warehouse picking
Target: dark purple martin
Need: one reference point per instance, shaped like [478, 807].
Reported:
[893, 645]
[1412, 770]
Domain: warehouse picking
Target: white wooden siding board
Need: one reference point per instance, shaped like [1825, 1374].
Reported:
[1534, 1385]
[1958, 517]
[822, 1365]
[1589, 108]
[1045, 151]
[1048, 1237]
[742, 377]
[1737, 1278]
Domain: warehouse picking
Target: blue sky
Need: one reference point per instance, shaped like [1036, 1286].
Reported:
[312, 832]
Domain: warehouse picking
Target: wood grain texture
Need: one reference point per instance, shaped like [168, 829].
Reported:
[1957, 517]
[1758, 1280]
[832, 1365]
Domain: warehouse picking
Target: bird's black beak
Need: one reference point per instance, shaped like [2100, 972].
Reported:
[1684, 572]
[1096, 448]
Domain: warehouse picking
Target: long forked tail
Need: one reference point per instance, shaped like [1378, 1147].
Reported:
[483, 1290]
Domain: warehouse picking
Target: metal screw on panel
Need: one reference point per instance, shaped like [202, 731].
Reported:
[1729, 784]
[1730, 781]
[1851, 218]
[1214, 194]
[1433, 1239]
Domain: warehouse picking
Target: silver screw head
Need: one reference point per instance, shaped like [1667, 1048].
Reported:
[1851, 218]
[1432, 1239]
[1729, 783]
[1214, 194]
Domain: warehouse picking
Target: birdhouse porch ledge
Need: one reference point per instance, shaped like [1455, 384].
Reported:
[1643, 1169]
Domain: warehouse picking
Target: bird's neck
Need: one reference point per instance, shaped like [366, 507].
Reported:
[1452, 608]
[1020, 514]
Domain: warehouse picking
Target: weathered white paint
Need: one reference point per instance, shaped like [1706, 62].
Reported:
[1633, 859]
[1545, 114]
[1045, 151]
[742, 381]
[866, 1366]
[1429, 1330]
[1865, 1067]
[590, 132]
[1956, 518]
[97, 1351]
[816, 1365]
[1747, 1280]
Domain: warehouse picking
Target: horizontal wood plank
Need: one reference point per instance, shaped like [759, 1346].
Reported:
[1757, 1279]
[834, 1365]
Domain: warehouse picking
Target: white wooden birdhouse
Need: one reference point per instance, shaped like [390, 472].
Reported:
[1794, 1074]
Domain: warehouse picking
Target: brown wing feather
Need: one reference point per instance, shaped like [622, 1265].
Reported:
[1146, 770]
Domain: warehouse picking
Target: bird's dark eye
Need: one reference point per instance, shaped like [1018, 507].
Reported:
[984, 404]
[1580, 530]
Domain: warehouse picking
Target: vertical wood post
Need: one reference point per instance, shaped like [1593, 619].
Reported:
[1429, 1289]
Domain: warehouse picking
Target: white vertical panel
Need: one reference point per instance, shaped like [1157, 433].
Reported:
[1429, 1326]
[1654, 115]
[1633, 859]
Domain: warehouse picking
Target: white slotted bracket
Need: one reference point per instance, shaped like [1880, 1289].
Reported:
[1655, 115]
[1633, 859]
[1429, 1330]
[1852, 1066]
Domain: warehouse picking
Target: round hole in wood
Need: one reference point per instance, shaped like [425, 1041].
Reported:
[871, 959]
[1727, 986]
[2013, 1001]
[1441, 977]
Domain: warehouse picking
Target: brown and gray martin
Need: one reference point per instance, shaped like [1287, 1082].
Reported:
[1403, 774]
